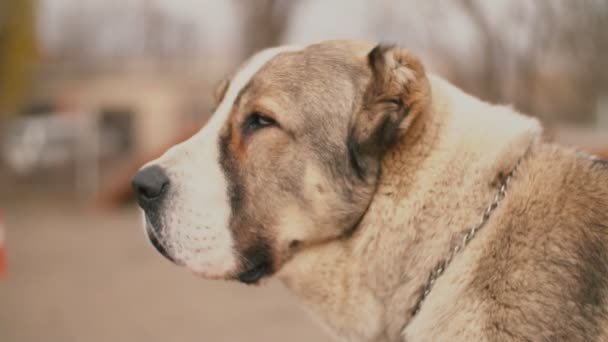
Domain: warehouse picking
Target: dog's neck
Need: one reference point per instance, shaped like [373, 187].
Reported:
[433, 186]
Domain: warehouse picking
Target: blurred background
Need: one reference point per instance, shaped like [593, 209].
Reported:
[91, 89]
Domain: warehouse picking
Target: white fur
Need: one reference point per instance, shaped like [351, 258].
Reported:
[197, 212]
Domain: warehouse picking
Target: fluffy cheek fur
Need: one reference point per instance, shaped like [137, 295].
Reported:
[323, 212]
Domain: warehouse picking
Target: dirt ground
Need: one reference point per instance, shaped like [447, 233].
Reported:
[81, 275]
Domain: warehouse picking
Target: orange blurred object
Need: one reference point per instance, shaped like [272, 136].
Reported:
[3, 261]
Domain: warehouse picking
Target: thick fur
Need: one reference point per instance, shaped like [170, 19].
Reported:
[370, 172]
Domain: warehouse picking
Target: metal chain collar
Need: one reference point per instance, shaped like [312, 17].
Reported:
[467, 237]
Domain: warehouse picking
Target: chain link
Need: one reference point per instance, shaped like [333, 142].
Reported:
[466, 239]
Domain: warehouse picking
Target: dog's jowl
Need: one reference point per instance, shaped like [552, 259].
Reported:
[395, 206]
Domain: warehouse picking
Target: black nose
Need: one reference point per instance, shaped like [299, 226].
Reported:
[150, 184]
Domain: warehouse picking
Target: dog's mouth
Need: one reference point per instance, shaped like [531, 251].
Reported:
[159, 246]
[155, 241]
[255, 273]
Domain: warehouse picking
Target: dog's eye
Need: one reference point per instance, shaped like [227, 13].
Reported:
[257, 121]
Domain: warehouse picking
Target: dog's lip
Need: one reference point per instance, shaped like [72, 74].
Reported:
[255, 273]
[156, 241]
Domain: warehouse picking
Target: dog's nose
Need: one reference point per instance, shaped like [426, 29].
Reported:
[150, 184]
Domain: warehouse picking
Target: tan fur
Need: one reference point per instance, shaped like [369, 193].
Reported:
[406, 227]
[427, 160]
[434, 185]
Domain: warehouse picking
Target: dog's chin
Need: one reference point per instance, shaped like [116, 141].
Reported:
[210, 275]
[251, 276]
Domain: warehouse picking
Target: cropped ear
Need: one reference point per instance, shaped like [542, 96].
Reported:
[396, 94]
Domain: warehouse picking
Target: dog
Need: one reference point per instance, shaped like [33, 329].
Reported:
[395, 206]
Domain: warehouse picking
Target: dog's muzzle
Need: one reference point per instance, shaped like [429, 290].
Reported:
[150, 186]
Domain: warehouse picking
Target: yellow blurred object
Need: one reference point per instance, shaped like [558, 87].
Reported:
[18, 51]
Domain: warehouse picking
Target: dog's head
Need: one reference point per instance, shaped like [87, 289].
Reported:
[290, 158]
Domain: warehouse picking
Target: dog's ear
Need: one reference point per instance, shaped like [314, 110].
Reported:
[396, 94]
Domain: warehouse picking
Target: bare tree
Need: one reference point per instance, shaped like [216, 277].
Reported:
[565, 45]
[265, 22]
[493, 50]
